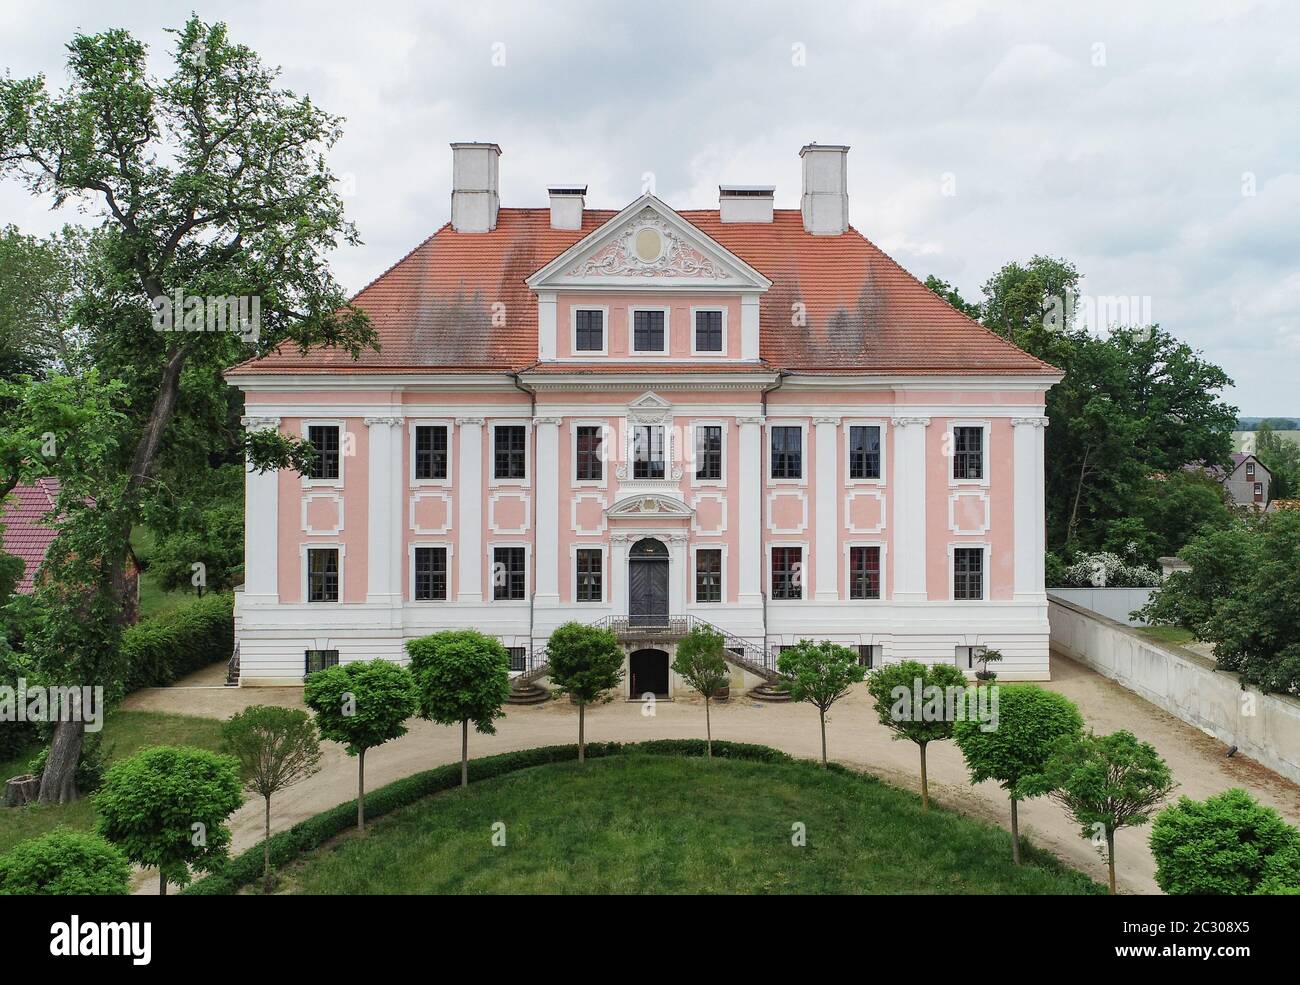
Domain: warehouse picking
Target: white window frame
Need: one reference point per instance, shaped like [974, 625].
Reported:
[410, 572]
[805, 561]
[606, 439]
[632, 350]
[803, 452]
[971, 655]
[493, 424]
[668, 430]
[706, 353]
[305, 433]
[304, 579]
[722, 573]
[848, 424]
[1258, 489]
[574, 351]
[528, 572]
[450, 425]
[848, 567]
[604, 573]
[986, 448]
[985, 573]
[692, 464]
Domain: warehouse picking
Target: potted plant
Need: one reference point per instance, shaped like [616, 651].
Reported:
[985, 658]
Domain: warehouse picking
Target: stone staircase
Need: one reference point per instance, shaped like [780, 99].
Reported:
[769, 691]
[527, 692]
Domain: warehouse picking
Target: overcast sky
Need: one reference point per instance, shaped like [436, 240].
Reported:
[1155, 145]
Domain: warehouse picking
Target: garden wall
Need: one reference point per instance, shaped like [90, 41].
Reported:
[1113, 603]
[1265, 727]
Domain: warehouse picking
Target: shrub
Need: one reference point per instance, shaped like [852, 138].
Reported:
[1106, 570]
[1227, 845]
[188, 638]
[64, 863]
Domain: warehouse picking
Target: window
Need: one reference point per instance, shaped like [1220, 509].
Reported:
[324, 440]
[864, 452]
[323, 574]
[318, 660]
[1250, 470]
[509, 574]
[968, 573]
[708, 575]
[869, 655]
[708, 331]
[431, 451]
[588, 465]
[430, 574]
[589, 330]
[968, 453]
[708, 451]
[1259, 489]
[969, 656]
[511, 452]
[787, 572]
[647, 331]
[588, 586]
[864, 572]
[787, 452]
[648, 452]
[518, 658]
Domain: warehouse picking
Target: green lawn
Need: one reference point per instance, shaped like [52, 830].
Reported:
[125, 732]
[154, 599]
[658, 824]
[1167, 634]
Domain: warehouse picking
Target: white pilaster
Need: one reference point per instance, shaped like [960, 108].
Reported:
[749, 326]
[547, 539]
[1029, 507]
[750, 490]
[469, 510]
[909, 508]
[620, 545]
[261, 527]
[676, 574]
[384, 523]
[546, 326]
[827, 479]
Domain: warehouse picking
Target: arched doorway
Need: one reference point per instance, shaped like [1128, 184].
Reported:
[648, 671]
[647, 581]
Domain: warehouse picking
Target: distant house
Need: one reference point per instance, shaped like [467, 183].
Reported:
[28, 536]
[1247, 484]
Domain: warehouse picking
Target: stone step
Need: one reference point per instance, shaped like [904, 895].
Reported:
[768, 692]
[530, 694]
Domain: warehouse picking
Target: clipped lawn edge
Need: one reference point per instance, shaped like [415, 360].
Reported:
[305, 836]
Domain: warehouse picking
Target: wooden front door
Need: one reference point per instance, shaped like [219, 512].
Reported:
[648, 592]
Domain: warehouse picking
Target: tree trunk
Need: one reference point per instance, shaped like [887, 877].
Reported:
[22, 790]
[1015, 833]
[361, 792]
[59, 778]
[1110, 858]
[162, 884]
[582, 737]
[821, 712]
[266, 850]
[1078, 492]
[464, 752]
[925, 782]
[708, 731]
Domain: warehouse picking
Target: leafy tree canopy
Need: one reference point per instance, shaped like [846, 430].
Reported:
[461, 675]
[64, 863]
[362, 704]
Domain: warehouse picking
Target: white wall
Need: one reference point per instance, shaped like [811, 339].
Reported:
[1113, 603]
[1265, 727]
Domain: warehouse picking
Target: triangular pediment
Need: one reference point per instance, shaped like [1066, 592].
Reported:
[648, 245]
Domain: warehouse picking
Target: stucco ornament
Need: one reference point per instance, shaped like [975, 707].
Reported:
[649, 246]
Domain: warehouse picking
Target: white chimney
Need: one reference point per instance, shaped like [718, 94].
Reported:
[474, 187]
[567, 202]
[825, 203]
[745, 203]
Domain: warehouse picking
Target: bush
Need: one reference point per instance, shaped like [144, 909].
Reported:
[1227, 845]
[1105, 570]
[14, 736]
[310, 834]
[64, 863]
[159, 650]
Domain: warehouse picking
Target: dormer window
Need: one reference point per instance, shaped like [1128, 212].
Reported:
[649, 330]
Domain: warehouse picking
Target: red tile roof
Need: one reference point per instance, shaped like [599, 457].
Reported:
[25, 533]
[433, 309]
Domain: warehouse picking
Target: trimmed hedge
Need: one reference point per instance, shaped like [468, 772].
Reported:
[308, 835]
[159, 650]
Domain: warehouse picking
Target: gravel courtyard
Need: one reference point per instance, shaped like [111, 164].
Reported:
[854, 738]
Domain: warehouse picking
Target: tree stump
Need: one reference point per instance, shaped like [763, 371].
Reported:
[22, 790]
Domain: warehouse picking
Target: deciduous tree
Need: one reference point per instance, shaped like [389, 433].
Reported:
[700, 663]
[585, 663]
[820, 674]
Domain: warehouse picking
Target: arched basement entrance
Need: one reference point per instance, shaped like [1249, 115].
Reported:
[647, 583]
[648, 673]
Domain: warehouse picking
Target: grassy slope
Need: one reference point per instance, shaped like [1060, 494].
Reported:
[125, 732]
[651, 824]
[1167, 634]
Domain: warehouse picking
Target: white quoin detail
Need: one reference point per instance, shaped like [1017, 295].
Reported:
[475, 187]
[825, 202]
[745, 203]
[567, 203]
